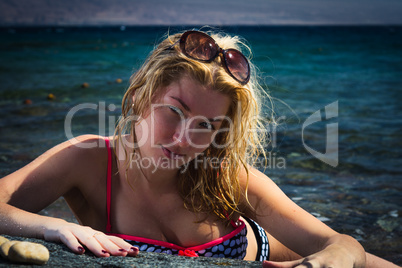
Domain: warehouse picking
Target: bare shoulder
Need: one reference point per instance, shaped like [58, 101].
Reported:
[73, 158]
[264, 195]
[81, 151]
[54, 173]
[257, 182]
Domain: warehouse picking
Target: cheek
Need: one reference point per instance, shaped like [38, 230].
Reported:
[200, 148]
[163, 122]
[200, 144]
[158, 127]
[142, 132]
[163, 130]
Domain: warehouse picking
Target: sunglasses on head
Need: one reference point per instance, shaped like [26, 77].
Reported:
[202, 47]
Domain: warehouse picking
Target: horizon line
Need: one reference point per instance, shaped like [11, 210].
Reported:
[17, 25]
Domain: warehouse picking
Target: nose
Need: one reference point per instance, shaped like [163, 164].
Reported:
[181, 137]
[186, 134]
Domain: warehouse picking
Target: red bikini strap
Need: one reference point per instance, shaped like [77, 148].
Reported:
[108, 185]
[235, 224]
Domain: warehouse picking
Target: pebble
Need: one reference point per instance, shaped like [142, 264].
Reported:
[3, 240]
[297, 198]
[51, 96]
[388, 224]
[393, 213]
[27, 102]
[23, 252]
[5, 247]
[119, 80]
[28, 252]
[85, 85]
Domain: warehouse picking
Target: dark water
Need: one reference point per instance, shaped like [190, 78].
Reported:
[356, 69]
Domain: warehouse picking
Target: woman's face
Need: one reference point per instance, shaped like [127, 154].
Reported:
[181, 123]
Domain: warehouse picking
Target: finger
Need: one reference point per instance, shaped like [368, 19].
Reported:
[87, 238]
[285, 264]
[305, 265]
[121, 243]
[109, 244]
[72, 243]
[133, 251]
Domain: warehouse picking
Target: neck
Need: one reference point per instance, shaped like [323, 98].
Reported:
[150, 175]
[156, 177]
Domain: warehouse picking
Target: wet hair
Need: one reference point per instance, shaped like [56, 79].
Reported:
[207, 187]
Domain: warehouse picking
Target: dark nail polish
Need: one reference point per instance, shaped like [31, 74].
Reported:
[122, 250]
[134, 249]
[104, 251]
[81, 249]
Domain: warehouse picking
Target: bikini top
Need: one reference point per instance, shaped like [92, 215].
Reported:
[232, 245]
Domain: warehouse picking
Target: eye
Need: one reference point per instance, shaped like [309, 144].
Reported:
[175, 110]
[207, 125]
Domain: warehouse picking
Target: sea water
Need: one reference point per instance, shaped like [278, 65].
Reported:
[337, 84]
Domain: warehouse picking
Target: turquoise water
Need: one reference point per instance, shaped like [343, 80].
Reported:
[304, 69]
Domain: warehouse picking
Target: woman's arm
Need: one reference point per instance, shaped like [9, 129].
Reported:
[279, 253]
[373, 261]
[298, 230]
[38, 184]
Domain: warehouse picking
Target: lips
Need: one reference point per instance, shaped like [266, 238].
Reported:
[171, 154]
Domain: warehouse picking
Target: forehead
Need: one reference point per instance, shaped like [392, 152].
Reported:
[200, 100]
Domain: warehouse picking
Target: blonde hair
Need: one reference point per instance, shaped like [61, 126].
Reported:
[207, 189]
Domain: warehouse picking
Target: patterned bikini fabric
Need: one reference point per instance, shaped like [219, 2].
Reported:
[234, 248]
[262, 240]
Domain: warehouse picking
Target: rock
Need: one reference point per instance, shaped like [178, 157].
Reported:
[25, 252]
[294, 154]
[5, 247]
[27, 102]
[61, 256]
[28, 252]
[85, 85]
[51, 96]
[3, 240]
[388, 224]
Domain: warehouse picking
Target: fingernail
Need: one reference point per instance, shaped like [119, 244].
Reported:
[81, 249]
[104, 251]
[134, 249]
[122, 250]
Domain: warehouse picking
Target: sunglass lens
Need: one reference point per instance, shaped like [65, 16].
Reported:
[200, 46]
[237, 65]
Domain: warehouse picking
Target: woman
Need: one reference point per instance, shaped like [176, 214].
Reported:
[177, 177]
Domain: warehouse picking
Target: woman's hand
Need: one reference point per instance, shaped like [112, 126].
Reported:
[75, 237]
[334, 256]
